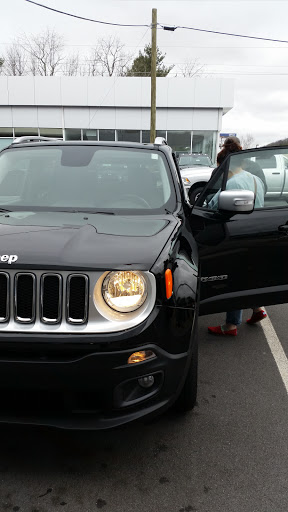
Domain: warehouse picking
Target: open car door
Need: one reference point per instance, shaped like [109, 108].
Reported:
[240, 223]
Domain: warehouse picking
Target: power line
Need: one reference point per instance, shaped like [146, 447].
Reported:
[83, 61]
[160, 25]
[85, 19]
[194, 46]
[228, 64]
[165, 27]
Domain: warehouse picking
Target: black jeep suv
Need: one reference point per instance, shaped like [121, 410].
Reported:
[100, 280]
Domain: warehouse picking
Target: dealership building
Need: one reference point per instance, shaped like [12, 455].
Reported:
[189, 111]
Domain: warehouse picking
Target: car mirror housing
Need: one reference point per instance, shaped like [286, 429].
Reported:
[237, 201]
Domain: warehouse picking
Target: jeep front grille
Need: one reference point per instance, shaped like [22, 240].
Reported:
[51, 298]
[47, 297]
[77, 298]
[4, 296]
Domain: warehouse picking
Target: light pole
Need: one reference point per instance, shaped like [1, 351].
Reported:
[153, 76]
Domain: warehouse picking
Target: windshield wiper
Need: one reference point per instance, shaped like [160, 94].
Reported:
[102, 213]
[3, 210]
[86, 212]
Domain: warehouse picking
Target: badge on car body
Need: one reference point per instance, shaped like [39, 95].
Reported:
[214, 278]
[8, 258]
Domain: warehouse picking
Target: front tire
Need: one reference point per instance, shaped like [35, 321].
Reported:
[194, 194]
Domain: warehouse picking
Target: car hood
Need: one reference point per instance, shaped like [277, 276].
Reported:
[198, 169]
[83, 241]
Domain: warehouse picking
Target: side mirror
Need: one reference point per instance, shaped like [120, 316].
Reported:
[237, 201]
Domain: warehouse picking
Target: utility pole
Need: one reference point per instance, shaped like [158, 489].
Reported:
[153, 76]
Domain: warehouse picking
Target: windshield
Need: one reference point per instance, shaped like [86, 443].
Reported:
[85, 177]
[187, 160]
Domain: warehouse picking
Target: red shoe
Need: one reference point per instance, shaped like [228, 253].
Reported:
[256, 317]
[219, 331]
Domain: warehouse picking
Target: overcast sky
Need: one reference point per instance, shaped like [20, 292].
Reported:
[259, 68]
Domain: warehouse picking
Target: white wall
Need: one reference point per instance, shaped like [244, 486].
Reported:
[119, 118]
[115, 92]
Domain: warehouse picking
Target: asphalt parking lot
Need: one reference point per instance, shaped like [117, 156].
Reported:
[230, 454]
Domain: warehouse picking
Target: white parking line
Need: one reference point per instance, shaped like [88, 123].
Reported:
[276, 349]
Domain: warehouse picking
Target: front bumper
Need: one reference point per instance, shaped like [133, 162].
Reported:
[88, 391]
[85, 382]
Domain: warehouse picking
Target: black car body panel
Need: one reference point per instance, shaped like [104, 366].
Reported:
[84, 240]
[83, 379]
[243, 257]
[76, 371]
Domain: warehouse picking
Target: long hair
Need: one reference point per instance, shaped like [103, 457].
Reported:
[231, 145]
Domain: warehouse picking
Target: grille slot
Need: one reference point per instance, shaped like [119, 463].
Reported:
[4, 297]
[51, 298]
[25, 297]
[77, 299]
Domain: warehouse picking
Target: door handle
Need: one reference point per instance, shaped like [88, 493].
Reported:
[283, 228]
[275, 172]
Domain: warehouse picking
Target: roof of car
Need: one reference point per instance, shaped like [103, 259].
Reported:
[58, 142]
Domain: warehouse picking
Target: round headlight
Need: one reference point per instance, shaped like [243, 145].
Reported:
[124, 291]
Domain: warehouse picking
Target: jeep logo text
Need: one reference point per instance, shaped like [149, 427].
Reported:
[8, 258]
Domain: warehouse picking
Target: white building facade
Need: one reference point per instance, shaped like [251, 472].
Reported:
[189, 111]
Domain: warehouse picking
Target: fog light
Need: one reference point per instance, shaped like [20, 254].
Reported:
[142, 355]
[146, 382]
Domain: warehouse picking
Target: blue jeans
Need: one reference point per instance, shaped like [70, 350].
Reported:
[234, 317]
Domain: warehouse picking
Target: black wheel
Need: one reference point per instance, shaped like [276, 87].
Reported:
[194, 194]
[187, 398]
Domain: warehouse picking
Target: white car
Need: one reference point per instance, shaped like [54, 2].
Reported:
[194, 160]
[195, 177]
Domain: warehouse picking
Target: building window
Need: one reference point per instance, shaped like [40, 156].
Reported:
[146, 135]
[51, 132]
[128, 135]
[179, 141]
[106, 134]
[161, 133]
[23, 132]
[6, 132]
[72, 134]
[203, 142]
[90, 134]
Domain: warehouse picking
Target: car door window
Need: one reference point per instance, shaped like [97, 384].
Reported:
[263, 171]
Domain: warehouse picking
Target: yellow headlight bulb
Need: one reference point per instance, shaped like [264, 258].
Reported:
[124, 291]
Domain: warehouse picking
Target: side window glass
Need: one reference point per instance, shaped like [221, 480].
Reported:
[246, 174]
[209, 200]
[263, 171]
[269, 168]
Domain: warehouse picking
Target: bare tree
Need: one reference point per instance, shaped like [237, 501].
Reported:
[15, 61]
[45, 51]
[192, 68]
[108, 58]
[247, 141]
[91, 63]
[1, 65]
[71, 66]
